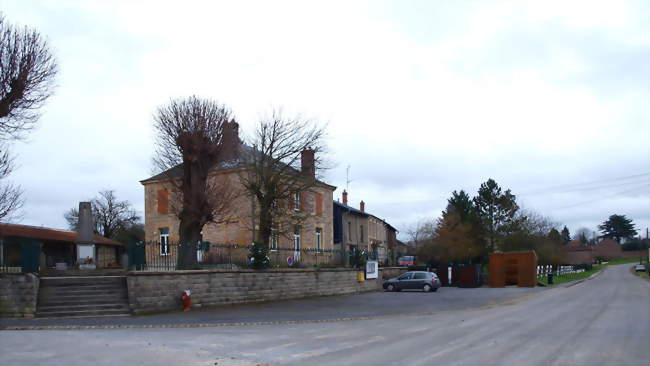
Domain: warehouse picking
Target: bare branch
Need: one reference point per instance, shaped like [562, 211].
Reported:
[27, 71]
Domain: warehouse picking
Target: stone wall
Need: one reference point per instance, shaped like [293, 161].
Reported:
[160, 291]
[18, 295]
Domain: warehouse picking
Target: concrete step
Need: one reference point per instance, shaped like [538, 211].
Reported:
[83, 307]
[74, 281]
[83, 313]
[82, 297]
[76, 300]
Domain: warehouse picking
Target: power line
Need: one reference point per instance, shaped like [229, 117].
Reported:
[607, 197]
[585, 185]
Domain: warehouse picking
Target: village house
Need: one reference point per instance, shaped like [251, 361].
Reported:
[310, 241]
[358, 230]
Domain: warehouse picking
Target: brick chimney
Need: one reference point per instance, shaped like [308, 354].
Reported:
[362, 206]
[307, 163]
[345, 197]
[230, 143]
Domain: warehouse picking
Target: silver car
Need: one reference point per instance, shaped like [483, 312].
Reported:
[414, 280]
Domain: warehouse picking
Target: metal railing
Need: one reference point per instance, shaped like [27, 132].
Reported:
[164, 257]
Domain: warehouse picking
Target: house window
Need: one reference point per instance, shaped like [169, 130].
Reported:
[296, 201]
[349, 231]
[361, 233]
[273, 240]
[296, 238]
[164, 241]
[319, 240]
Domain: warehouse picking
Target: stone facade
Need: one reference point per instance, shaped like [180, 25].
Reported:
[237, 229]
[155, 292]
[18, 295]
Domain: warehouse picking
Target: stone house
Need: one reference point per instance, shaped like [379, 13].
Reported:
[356, 229]
[231, 236]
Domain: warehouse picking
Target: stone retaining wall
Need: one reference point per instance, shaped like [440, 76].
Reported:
[161, 291]
[18, 295]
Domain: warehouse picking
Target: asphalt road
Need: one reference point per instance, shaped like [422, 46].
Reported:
[602, 321]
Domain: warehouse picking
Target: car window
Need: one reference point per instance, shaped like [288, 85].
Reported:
[405, 276]
[420, 276]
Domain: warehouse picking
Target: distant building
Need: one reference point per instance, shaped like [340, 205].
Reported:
[357, 230]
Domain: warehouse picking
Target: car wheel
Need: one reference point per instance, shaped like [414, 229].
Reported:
[427, 288]
[390, 288]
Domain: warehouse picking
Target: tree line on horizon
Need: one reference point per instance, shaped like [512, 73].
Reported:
[470, 228]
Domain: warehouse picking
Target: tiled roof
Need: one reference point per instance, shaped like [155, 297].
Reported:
[244, 149]
[362, 213]
[42, 233]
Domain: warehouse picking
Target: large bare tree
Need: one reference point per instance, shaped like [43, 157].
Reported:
[110, 215]
[27, 71]
[190, 141]
[274, 174]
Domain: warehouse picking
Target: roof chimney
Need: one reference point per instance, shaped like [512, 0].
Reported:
[230, 141]
[307, 163]
[85, 232]
[362, 206]
[345, 197]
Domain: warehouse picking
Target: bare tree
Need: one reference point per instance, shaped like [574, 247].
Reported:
[190, 139]
[27, 71]
[275, 175]
[110, 215]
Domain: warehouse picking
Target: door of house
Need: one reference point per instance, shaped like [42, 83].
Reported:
[30, 253]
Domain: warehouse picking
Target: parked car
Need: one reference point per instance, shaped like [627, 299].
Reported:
[639, 268]
[414, 280]
[407, 260]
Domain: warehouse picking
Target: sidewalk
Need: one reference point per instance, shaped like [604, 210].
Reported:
[316, 309]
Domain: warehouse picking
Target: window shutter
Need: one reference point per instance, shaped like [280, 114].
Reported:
[163, 201]
[319, 204]
[303, 201]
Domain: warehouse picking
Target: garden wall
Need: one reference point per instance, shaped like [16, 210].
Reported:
[161, 291]
[18, 295]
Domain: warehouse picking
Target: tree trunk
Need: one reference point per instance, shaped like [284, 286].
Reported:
[265, 227]
[190, 235]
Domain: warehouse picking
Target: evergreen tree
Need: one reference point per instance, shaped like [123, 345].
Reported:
[566, 236]
[460, 204]
[554, 236]
[617, 227]
[259, 256]
[496, 212]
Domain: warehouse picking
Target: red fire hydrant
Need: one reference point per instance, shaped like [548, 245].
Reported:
[186, 298]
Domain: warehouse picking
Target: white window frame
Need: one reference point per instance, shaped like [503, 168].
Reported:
[296, 243]
[296, 201]
[164, 241]
[319, 239]
[273, 240]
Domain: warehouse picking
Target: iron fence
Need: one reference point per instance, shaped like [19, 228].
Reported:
[148, 256]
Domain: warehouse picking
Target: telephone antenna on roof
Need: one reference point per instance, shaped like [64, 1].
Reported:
[347, 179]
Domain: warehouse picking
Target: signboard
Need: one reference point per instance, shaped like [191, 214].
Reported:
[372, 269]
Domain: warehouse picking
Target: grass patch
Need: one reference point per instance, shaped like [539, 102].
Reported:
[645, 275]
[558, 280]
[623, 261]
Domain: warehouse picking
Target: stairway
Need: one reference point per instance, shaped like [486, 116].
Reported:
[82, 297]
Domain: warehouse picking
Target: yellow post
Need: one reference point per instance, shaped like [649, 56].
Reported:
[360, 277]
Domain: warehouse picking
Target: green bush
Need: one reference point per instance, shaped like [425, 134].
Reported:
[259, 256]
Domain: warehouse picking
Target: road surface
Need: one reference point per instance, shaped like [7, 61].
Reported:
[602, 321]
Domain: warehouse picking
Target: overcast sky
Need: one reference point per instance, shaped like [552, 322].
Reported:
[549, 98]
